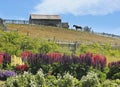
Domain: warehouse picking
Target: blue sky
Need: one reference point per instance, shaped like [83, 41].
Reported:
[101, 15]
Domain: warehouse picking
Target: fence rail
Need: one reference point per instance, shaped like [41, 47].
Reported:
[107, 35]
[74, 45]
[8, 21]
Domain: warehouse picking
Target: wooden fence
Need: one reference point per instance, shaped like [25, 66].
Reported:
[73, 46]
[8, 21]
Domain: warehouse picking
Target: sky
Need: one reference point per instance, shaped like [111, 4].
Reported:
[100, 15]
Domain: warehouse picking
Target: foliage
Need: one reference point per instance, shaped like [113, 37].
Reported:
[109, 83]
[48, 47]
[67, 81]
[114, 70]
[25, 80]
[13, 43]
[101, 74]
[51, 81]
[40, 79]
[87, 29]
[96, 48]
[90, 80]
[116, 76]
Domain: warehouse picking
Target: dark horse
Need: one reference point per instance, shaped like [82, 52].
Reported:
[77, 27]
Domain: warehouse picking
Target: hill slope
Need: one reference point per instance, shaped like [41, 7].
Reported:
[47, 32]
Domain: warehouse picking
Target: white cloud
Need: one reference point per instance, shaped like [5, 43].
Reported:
[78, 7]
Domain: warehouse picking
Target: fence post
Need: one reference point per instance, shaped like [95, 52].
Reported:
[75, 47]
[28, 33]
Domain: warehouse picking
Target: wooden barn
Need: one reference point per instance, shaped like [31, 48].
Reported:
[48, 20]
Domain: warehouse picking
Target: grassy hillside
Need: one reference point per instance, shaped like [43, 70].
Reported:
[47, 32]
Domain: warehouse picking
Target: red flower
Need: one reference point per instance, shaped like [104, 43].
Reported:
[22, 67]
[99, 61]
[1, 58]
[26, 54]
[55, 57]
[116, 64]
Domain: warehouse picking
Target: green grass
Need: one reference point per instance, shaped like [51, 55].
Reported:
[48, 32]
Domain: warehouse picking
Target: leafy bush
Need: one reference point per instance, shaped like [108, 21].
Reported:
[90, 80]
[13, 43]
[109, 83]
[67, 81]
[48, 47]
[28, 80]
[101, 74]
[25, 80]
[114, 69]
[116, 76]
[51, 81]
[40, 79]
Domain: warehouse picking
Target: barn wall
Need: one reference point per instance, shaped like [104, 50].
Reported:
[45, 22]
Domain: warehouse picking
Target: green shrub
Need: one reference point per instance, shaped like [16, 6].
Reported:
[113, 73]
[48, 47]
[25, 80]
[51, 81]
[67, 81]
[101, 74]
[40, 79]
[90, 80]
[13, 43]
[116, 76]
[117, 81]
[109, 83]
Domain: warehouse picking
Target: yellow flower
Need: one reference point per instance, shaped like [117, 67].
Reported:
[16, 60]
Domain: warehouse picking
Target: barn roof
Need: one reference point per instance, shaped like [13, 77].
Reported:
[38, 16]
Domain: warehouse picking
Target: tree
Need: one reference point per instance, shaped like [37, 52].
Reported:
[87, 29]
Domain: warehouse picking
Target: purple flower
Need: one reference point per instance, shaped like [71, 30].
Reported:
[5, 73]
[6, 58]
[9, 73]
[1, 74]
